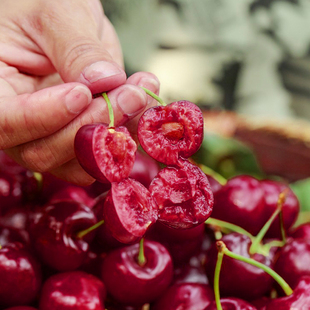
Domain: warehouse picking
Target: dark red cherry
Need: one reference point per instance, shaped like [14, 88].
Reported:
[299, 299]
[129, 210]
[238, 278]
[183, 195]
[130, 283]
[20, 275]
[76, 290]
[145, 168]
[11, 235]
[294, 261]
[107, 154]
[189, 296]
[53, 231]
[241, 202]
[21, 308]
[290, 208]
[168, 132]
[301, 232]
[231, 303]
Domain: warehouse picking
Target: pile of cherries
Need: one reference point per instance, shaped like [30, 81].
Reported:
[153, 232]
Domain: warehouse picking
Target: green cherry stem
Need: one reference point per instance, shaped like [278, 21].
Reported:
[39, 179]
[216, 282]
[158, 99]
[111, 114]
[286, 288]
[86, 231]
[212, 173]
[141, 256]
[229, 226]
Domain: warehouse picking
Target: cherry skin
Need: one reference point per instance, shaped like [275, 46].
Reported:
[183, 195]
[294, 261]
[20, 274]
[301, 231]
[189, 296]
[129, 210]
[241, 202]
[21, 308]
[107, 154]
[238, 278]
[131, 283]
[172, 131]
[76, 290]
[11, 235]
[290, 208]
[232, 304]
[299, 299]
[145, 168]
[53, 231]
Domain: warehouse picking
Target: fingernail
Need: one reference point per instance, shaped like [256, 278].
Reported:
[100, 70]
[131, 100]
[78, 99]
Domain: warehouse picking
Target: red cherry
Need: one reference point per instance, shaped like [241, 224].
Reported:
[168, 132]
[232, 304]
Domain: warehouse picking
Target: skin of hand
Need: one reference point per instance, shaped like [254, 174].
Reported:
[54, 56]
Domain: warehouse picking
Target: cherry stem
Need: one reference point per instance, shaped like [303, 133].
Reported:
[286, 288]
[229, 226]
[158, 99]
[141, 256]
[86, 231]
[39, 179]
[111, 114]
[213, 174]
[218, 266]
[259, 237]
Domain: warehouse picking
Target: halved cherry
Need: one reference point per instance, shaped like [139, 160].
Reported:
[129, 210]
[183, 195]
[170, 131]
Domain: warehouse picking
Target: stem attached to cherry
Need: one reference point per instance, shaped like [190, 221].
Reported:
[111, 114]
[218, 177]
[158, 99]
[286, 288]
[86, 231]
[220, 255]
[141, 256]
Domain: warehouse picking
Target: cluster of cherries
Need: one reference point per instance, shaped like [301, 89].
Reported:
[141, 237]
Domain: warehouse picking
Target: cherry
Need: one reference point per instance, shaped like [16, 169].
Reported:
[145, 168]
[171, 131]
[72, 290]
[301, 232]
[238, 278]
[183, 195]
[131, 282]
[20, 274]
[53, 231]
[293, 261]
[241, 198]
[290, 208]
[299, 299]
[129, 210]
[21, 308]
[189, 296]
[231, 303]
[106, 153]
[11, 235]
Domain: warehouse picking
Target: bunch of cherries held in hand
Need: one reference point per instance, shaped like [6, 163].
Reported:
[153, 232]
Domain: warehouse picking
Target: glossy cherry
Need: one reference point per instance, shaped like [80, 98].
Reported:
[189, 296]
[183, 195]
[72, 290]
[238, 278]
[172, 131]
[53, 232]
[301, 232]
[231, 303]
[131, 283]
[129, 210]
[107, 154]
[20, 274]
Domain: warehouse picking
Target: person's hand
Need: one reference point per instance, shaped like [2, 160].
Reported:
[53, 56]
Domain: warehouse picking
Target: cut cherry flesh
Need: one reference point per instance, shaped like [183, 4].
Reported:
[72, 290]
[168, 132]
[183, 195]
[107, 154]
[129, 210]
[129, 282]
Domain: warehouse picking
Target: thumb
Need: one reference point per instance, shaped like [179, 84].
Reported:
[79, 43]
